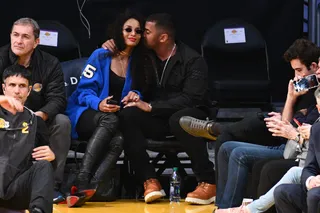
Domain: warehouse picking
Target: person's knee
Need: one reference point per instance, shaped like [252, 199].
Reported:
[239, 154]
[225, 147]
[295, 172]
[109, 120]
[116, 144]
[313, 196]
[278, 192]
[174, 119]
[43, 165]
[62, 123]
[129, 114]
[224, 150]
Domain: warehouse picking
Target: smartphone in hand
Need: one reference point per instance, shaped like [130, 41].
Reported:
[263, 115]
[111, 101]
[306, 83]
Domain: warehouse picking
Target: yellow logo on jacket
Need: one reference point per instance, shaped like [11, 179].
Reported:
[25, 129]
[3, 123]
[37, 87]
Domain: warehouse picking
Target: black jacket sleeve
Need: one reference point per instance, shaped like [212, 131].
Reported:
[55, 96]
[2, 67]
[194, 88]
[311, 166]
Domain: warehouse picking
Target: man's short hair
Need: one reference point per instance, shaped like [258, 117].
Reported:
[164, 22]
[304, 50]
[17, 70]
[31, 22]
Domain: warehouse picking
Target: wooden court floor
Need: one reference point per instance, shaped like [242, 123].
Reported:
[134, 206]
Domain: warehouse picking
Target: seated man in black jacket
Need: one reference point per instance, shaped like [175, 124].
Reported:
[24, 137]
[47, 97]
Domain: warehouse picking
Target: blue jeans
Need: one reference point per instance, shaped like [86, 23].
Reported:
[235, 160]
[267, 200]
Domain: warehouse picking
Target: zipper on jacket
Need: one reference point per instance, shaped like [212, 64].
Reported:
[156, 70]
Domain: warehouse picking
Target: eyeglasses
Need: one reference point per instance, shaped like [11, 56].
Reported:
[129, 30]
[30, 122]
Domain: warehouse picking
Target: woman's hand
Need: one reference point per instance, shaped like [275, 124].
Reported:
[144, 106]
[131, 97]
[104, 107]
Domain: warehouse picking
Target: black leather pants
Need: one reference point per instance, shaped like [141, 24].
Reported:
[111, 156]
[103, 148]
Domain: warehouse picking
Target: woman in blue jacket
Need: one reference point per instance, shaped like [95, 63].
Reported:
[109, 81]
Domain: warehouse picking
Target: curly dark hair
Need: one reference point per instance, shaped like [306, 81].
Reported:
[139, 52]
[115, 30]
[304, 50]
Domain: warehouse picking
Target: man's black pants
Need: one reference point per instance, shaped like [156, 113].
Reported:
[294, 199]
[33, 188]
[137, 125]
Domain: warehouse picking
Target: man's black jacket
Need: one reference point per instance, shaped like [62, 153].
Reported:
[48, 92]
[184, 82]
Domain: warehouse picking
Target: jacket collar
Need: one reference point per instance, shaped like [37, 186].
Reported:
[13, 58]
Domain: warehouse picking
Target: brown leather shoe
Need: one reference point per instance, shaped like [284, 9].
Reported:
[205, 193]
[152, 190]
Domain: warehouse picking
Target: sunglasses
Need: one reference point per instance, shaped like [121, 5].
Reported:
[129, 30]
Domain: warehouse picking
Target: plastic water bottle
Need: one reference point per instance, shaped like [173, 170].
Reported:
[175, 186]
[175, 207]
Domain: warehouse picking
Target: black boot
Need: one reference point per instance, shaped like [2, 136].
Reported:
[96, 147]
[111, 156]
[82, 191]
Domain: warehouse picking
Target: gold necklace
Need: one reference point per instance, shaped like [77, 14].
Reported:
[165, 66]
[123, 67]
